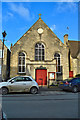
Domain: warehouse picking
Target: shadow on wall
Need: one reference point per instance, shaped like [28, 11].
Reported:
[8, 64]
[5, 73]
[6, 68]
[28, 71]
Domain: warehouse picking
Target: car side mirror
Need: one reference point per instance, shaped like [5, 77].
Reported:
[12, 81]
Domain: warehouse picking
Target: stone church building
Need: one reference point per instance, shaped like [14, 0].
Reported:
[41, 54]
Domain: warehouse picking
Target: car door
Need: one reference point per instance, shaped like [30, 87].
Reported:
[28, 83]
[17, 84]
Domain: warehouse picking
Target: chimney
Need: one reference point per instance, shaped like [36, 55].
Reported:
[11, 46]
[65, 39]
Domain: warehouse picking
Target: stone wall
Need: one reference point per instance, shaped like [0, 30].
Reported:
[4, 71]
[27, 44]
[75, 65]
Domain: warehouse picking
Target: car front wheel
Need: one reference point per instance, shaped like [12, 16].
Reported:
[75, 89]
[33, 90]
[4, 91]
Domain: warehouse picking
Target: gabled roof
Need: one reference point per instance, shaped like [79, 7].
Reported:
[34, 25]
[74, 48]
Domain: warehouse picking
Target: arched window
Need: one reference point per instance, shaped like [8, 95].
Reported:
[39, 52]
[21, 62]
[57, 57]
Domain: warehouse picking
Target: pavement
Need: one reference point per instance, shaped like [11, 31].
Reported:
[43, 90]
[51, 88]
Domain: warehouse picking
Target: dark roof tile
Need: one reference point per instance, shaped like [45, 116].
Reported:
[74, 48]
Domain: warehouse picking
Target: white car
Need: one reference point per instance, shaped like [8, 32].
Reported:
[19, 84]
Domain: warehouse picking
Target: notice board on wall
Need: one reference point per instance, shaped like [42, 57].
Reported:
[51, 75]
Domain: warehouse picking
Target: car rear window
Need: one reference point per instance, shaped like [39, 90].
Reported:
[70, 79]
[76, 79]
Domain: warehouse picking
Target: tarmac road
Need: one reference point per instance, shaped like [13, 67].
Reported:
[46, 104]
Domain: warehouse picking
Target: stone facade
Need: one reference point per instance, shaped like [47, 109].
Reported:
[6, 62]
[52, 45]
[74, 47]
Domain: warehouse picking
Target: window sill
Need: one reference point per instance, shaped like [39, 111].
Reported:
[58, 72]
[21, 73]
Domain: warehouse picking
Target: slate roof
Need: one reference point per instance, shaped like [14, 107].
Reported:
[74, 48]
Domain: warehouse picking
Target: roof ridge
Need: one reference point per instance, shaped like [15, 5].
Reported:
[73, 41]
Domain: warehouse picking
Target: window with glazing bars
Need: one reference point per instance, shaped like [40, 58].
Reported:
[57, 57]
[1, 53]
[39, 52]
[21, 62]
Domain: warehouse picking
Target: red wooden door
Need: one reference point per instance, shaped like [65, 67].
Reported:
[41, 77]
[70, 74]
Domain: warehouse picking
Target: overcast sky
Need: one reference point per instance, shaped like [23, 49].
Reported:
[18, 17]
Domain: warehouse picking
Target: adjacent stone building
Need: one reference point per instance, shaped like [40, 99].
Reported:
[6, 62]
[40, 54]
[74, 49]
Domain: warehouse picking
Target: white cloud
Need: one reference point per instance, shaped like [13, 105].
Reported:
[20, 9]
[10, 14]
[53, 27]
[7, 16]
[16, 1]
[40, 0]
[68, 0]
[70, 5]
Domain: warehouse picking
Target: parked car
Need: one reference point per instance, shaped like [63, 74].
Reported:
[78, 75]
[19, 84]
[71, 84]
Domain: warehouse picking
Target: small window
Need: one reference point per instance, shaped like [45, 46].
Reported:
[19, 79]
[28, 79]
[21, 63]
